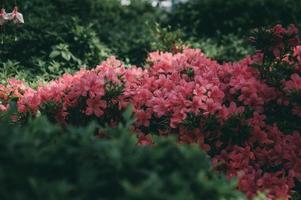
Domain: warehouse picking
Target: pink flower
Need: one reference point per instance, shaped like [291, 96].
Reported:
[143, 117]
[97, 88]
[292, 30]
[3, 108]
[95, 106]
[145, 140]
[227, 112]
[297, 53]
[294, 83]
[159, 106]
[279, 30]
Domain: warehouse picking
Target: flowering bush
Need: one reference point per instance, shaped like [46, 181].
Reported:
[245, 115]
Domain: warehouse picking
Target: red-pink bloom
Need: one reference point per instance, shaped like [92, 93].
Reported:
[95, 106]
[294, 83]
[297, 53]
[143, 117]
[297, 111]
[292, 30]
[3, 108]
[145, 140]
[226, 112]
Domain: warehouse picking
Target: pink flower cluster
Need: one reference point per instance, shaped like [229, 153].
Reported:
[87, 90]
[280, 35]
[269, 161]
[177, 85]
[225, 108]
[294, 84]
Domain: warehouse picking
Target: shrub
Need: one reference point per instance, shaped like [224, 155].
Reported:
[44, 161]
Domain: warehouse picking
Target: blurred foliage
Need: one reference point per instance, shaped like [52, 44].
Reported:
[57, 38]
[208, 17]
[296, 196]
[119, 27]
[223, 48]
[43, 161]
[260, 196]
[218, 27]
[166, 40]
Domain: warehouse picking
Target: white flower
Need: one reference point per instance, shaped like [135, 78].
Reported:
[15, 16]
[3, 17]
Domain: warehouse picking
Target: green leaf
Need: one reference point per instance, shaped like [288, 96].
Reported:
[54, 54]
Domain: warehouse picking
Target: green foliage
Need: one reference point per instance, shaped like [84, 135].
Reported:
[57, 38]
[296, 196]
[12, 68]
[91, 50]
[260, 196]
[44, 161]
[223, 48]
[235, 16]
[166, 40]
[63, 54]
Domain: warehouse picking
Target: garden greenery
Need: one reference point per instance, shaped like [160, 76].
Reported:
[65, 127]
[44, 161]
[245, 115]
